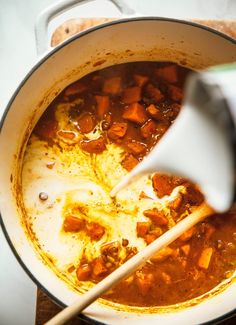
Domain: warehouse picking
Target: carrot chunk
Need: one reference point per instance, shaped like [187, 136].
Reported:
[75, 88]
[103, 104]
[140, 80]
[86, 123]
[163, 254]
[94, 146]
[112, 86]
[154, 112]
[156, 216]
[99, 267]
[136, 147]
[129, 162]
[188, 234]
[142, 228]
[154, 93]
[175, 93]
[131, 95]
[148, 129]
[144, 282]
[168, 73]
[73, 224]
[95, 231]
[205, 258]
[185, 249]
[135, 112]
[83, 272]
[117, 131]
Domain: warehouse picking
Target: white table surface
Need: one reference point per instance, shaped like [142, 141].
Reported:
[17, 56]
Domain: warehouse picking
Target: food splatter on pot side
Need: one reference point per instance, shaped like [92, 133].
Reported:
[92, 134]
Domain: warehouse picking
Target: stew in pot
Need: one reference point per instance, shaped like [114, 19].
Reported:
[92, 134]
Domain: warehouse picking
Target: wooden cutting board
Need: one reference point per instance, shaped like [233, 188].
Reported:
[46, 308]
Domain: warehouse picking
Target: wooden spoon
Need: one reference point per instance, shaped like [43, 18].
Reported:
[131, 265]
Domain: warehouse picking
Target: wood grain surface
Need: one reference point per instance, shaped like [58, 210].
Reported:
[46, 308]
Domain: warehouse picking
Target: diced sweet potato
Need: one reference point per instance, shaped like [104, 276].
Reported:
[103, 104]
[175, 93]
[75, 88]
[83, 272]
[154, 93]
[95, 231]
[129, 162]
[144, 282]
[86, 123]
[117, 131]
[188, 234]
[73, 224]
[140, 80]
[99, 267]
[149, 238]
[156, 216]
[168, 73]
[205, 258]
[154, 112]
[142, 228]
[136, 113]
[136, 147]
[162, 254]
[131, 95]
[94, 146]
[112, 86]
[148, 129]
[163, 184]
[185, 249]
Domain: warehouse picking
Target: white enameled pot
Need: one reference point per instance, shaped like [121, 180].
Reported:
[126, 40]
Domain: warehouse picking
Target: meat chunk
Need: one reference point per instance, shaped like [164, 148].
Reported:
[142, 228]
[103, 104]
[156, 216]
[99, 267]
[149, 238]
[86, 123]
[83, 272]
[112, 86]
[154, 112]
[154, 93]
[140, 80]
[176, 93]
[95, 231]
[148, 129]
[94, 146]
[164, 184]
[131, 95]
[136, 147]
[73, 224]
[129, 162]
[188, 234]
[136, 113]
[176, 203]
[168, 73]
[117, 131]
[205, 258]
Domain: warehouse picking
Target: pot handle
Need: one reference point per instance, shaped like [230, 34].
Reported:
[41, 25]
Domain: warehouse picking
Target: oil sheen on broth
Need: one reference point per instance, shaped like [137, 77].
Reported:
[91, 135]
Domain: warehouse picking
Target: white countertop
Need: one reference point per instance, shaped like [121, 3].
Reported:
[17, 56]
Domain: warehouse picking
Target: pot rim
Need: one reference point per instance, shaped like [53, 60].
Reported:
[37, 65]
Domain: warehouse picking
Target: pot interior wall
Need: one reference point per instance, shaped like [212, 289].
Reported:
[120, 42]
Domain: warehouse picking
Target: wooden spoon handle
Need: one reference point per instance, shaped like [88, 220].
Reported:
[131, 265]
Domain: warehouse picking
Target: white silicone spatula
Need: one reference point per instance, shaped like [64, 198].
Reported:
[197, 146]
